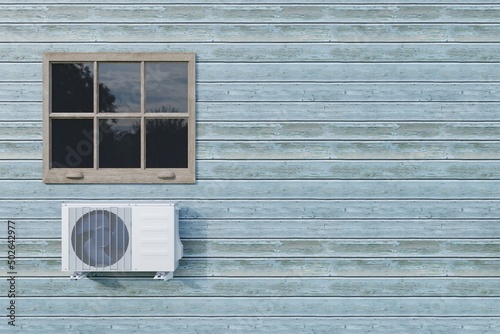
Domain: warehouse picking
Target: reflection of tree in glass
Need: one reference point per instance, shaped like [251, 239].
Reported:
[73, 89]
[106, 99]
[166, 144]
[120, 144]
[164, 109]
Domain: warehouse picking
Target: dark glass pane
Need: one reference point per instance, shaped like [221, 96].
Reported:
[72, 143]
[166, 143]
[72, 87]
[166, 87]
[119, 87]
[119, 143]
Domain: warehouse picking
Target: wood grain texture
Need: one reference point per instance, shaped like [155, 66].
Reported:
[303, 248]
[372, 52]
[289, 209]
[379, 229]
[349, 92]
[259, 287]
[346, 150]
[251, 33]
[262, 190]
[287, 268]
[269, 307]
[308, 170]
[256, 52]
[253, 13]
[217, 325]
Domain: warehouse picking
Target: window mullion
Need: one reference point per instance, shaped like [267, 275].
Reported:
[96, 120]
[143, 111]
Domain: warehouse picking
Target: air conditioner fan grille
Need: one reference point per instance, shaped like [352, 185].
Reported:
[100, 238]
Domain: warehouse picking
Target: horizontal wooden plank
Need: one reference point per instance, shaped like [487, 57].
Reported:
[308, 72]
[309, 92]
[307, 170]
[21, 111]
[346, 111]
[333, 72]
[345, 150]
[310, 248]
[427, 2]
[217, 325]
[348, 92]
[321, 228]
[307, 111]
[323, 131]
[333, 248]
[21, 150]
[352, 209]
[274, 52]
[237, 306]
[342, 150]
[308, 150]
[288, 209]
[20, 130]
[259, 287]
[331, 169]
[20, 92]
[298, 228]
[307, 131]
[20, 71]
[20, 170]
[102, 13]
[299, 267]
[217, 32]
[260, 189]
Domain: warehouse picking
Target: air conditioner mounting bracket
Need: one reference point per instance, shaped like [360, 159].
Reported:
[164, 275]
[78, 275]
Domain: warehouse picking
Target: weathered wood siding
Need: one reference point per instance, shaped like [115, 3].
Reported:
[348, 168]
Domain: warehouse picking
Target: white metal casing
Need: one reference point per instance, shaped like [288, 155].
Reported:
[153, 236]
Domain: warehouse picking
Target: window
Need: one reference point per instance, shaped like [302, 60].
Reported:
[119, 117]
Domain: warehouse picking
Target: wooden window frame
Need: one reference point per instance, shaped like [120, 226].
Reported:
[118, 175]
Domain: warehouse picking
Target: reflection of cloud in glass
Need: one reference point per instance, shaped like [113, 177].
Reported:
[124, 82]
[167, 87]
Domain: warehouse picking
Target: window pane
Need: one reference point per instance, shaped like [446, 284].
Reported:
[166, 143]
[120, 143]
[73, 87]
[167, 87]
[119, 87]
[72, 143]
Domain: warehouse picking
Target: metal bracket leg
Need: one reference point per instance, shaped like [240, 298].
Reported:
[78, 275]
[164, 275]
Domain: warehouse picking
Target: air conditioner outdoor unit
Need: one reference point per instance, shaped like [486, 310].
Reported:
[120, 237]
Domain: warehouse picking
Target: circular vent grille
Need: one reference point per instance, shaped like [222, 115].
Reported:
[100, 238]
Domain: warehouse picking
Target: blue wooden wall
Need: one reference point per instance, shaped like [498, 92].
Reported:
[348, 168]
